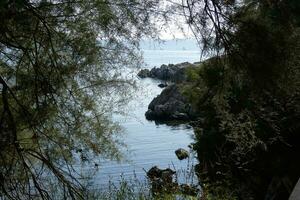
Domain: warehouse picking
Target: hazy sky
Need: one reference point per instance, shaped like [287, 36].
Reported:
[174, 32]
[176, 27]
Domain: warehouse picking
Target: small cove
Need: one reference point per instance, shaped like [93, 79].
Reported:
[147, 142]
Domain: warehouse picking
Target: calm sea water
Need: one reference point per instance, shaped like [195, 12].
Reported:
[148, 144]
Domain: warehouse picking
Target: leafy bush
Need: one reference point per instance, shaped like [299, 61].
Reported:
[248, 139]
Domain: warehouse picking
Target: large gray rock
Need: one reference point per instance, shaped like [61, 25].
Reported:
[169, 105]
[162, 181]
[171, 72]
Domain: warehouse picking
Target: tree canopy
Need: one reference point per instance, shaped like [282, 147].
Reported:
[58, 67]
[247, 94]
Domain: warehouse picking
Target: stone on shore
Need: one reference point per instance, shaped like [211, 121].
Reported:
[182, 154]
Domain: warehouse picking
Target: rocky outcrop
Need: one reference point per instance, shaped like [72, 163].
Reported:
[170, 105]
[163, 181]
[144, 73]
[166, 174]
[171, 72]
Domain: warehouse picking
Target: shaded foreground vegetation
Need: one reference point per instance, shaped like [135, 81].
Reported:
[247, 138]
[60, 82]
[246, 96]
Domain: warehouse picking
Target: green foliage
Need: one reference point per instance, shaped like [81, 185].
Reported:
[247, 140]
[193, 74]
[60, 63]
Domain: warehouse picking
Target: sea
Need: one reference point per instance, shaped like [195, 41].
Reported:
[150, 143]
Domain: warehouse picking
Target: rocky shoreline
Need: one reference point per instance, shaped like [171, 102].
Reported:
[171, 104]
[172, 72]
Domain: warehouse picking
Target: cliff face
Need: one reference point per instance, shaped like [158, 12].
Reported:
[170, 105]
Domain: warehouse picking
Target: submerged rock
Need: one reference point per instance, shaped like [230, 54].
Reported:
[182, 154]
[169, 105]
[162, 85]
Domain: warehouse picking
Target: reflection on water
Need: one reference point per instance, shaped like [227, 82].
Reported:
[148, 143]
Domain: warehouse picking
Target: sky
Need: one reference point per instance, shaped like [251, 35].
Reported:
[176, 28]
[174, 32]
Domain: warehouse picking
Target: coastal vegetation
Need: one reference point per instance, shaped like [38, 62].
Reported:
[247, 98]
[61, 79]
